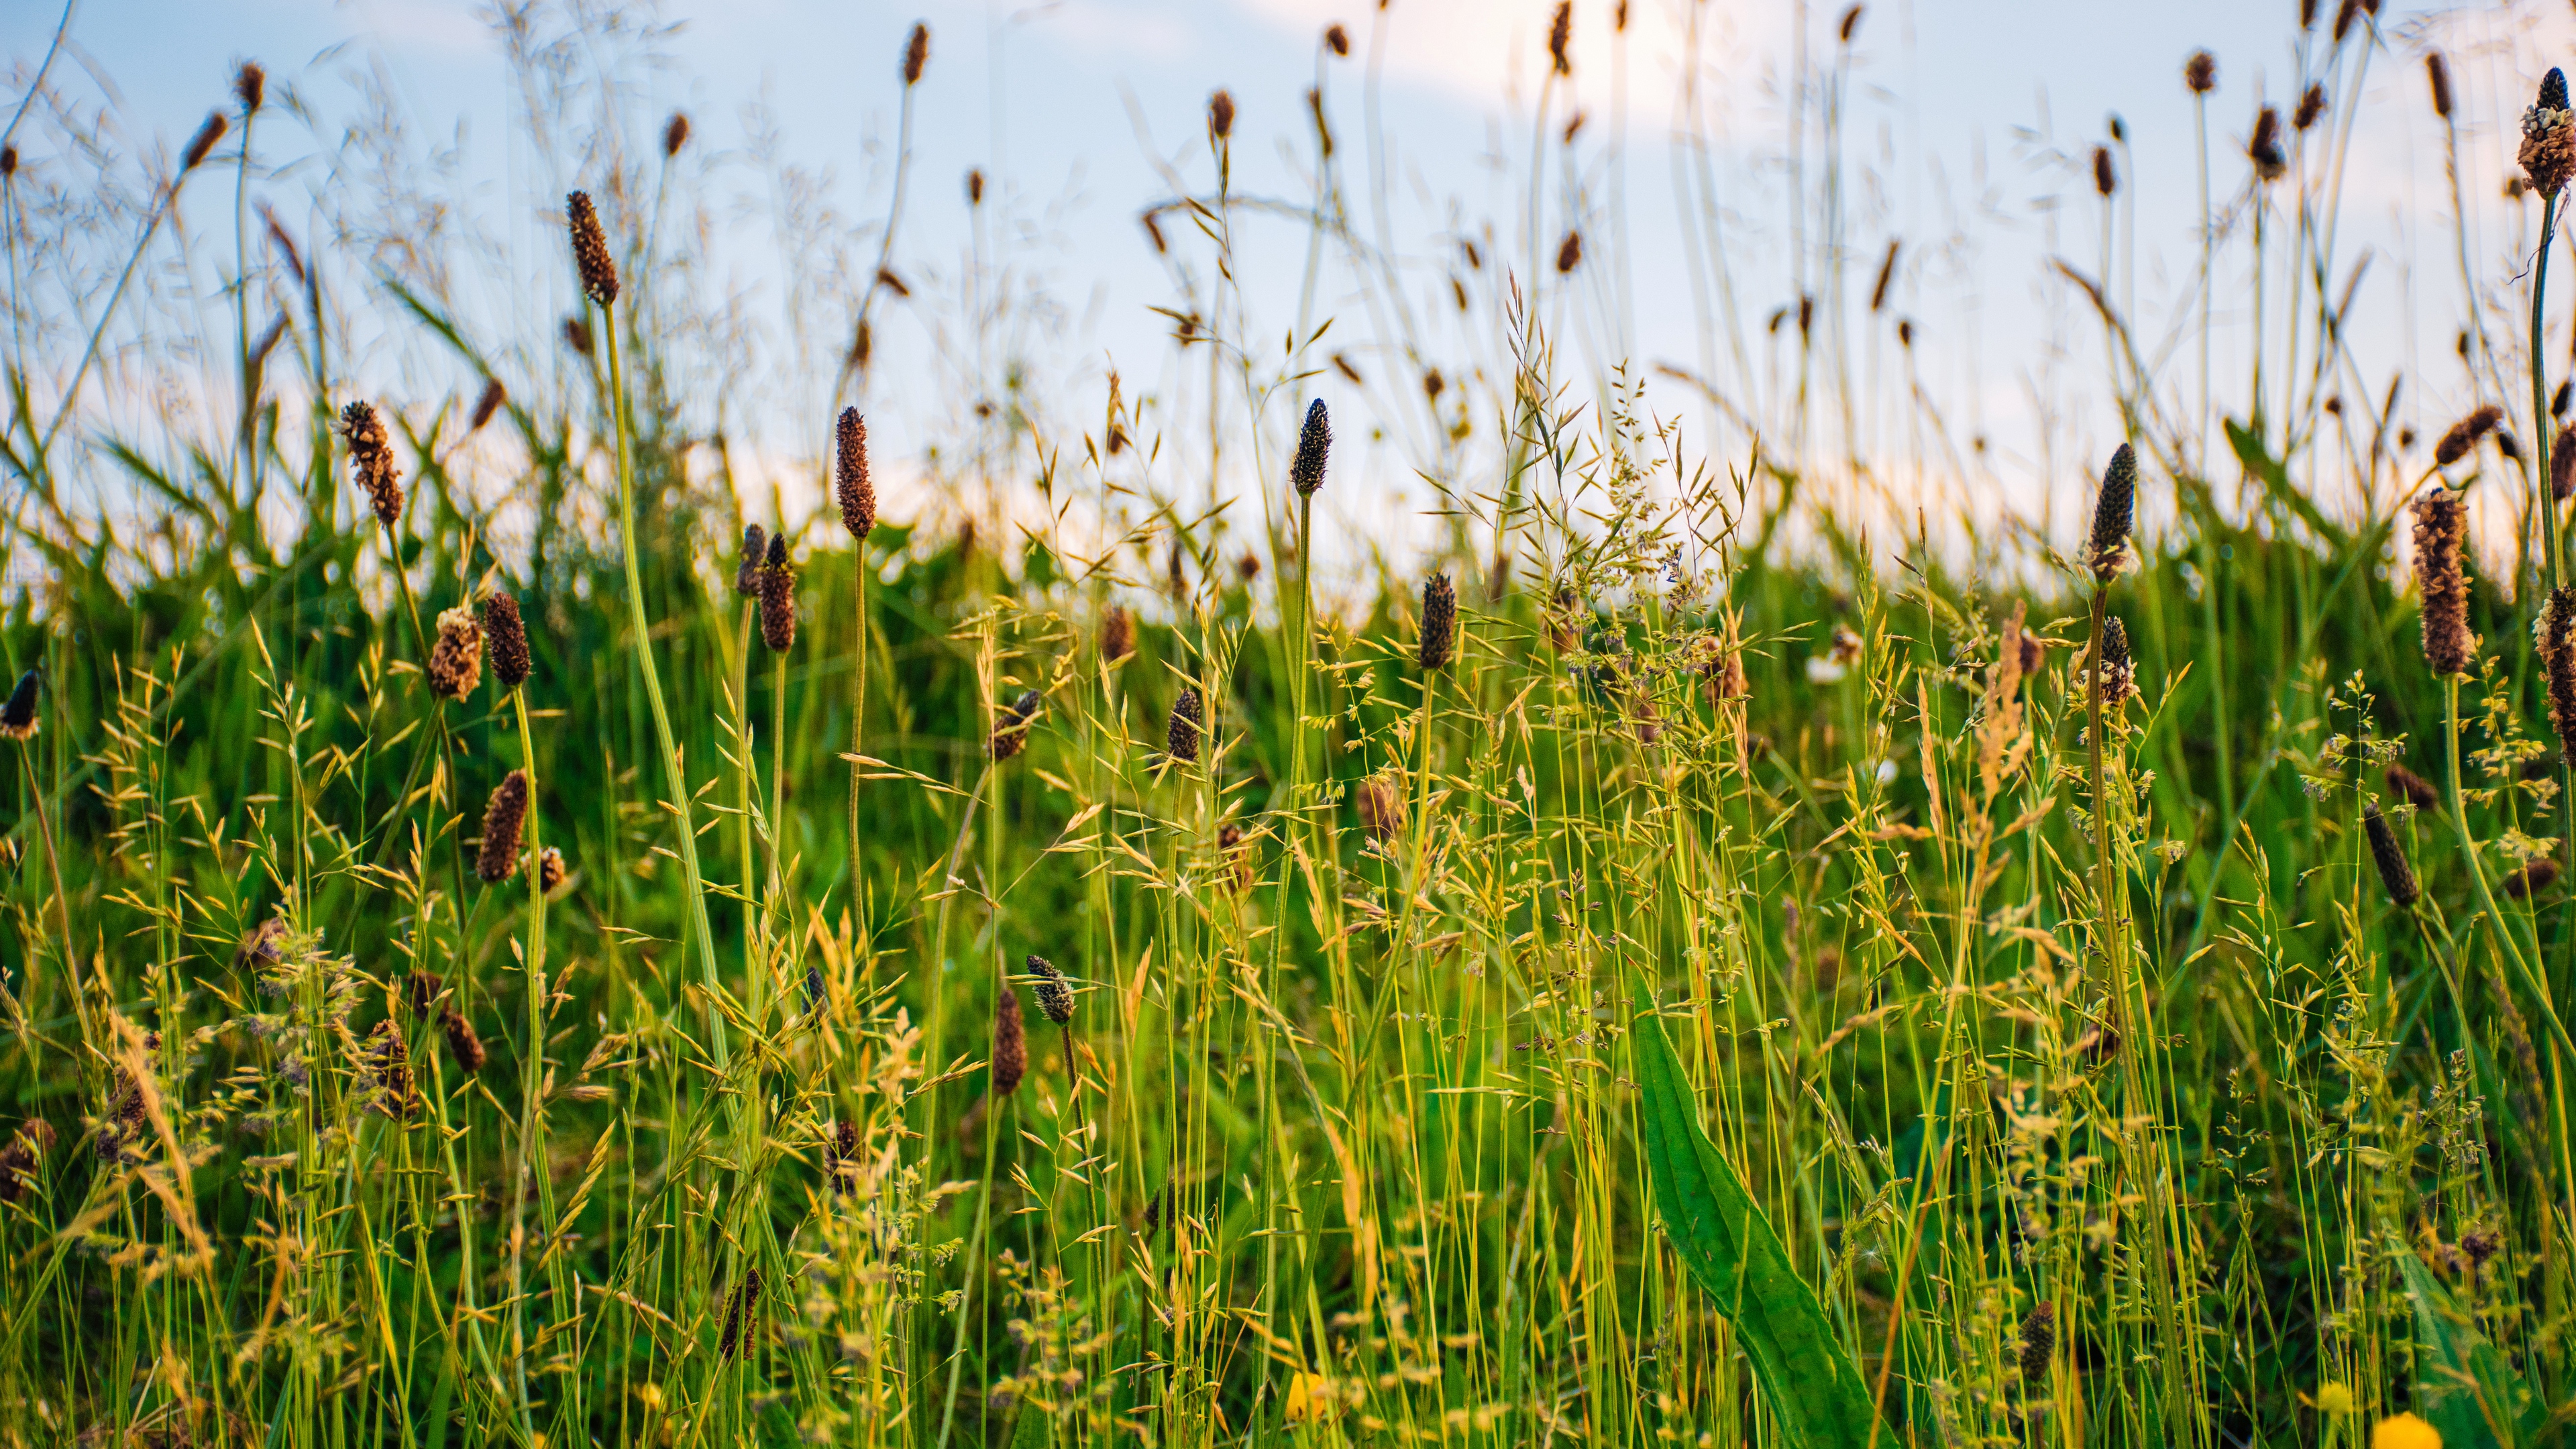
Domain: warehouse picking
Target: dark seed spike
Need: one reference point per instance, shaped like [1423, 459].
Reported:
[778, 597]
[2395, 875]
[2441, 527]
[858, 491]
[746, 572]
[590, 250]
[1055, 994]
[2038, 1343]
[507, 634]
[1187, 724]
[18, 719]
[503, 819]
[1011, 730]
[1010, 1044]
[1439, 624]
[1314, 441]
[2114, 514]
[2553, 90]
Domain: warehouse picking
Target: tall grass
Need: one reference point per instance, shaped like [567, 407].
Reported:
[1146, 1001]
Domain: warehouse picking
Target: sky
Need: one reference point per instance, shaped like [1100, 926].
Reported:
[1747, 145]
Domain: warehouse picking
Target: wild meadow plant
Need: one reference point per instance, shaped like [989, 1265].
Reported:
[1659, 969]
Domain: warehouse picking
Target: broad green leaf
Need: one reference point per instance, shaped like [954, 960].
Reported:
[1030, 1427]
[2464, 1387]
[1807, 1377]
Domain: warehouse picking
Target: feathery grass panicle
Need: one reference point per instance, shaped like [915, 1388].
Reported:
[2465, 434]
[2537, 874]
[1187, 723]
[778, 597]
[2108, 551]
[1055, 993]
[508, 635]
[371, 457]
[2412, 788]
[18, 718]
[2441, 533]
[456, 659]
[1439, 642]
[1010, 1043]
[1314, 441]
[856, 489]
[2556, 631]
[1011, 729]
[590, 252]
[503, 819]
[2395, 875]
[755, 556]
[1117, 634]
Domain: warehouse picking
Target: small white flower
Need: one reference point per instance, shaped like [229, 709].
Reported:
[1822, 669]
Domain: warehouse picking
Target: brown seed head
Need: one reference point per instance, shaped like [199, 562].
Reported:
[841, 1157]
[755, 553]
[2311, 105]
[590, 250]
[389, 1063]
[1221, 115]
[509, 635]
[1314, 442]
[20, 1159]
[1559, 32]
[858, 491]
[551, 870]
[2557, 639]
[2537, 874]
[2549, 141]
[577, 336]
[1011, 728]
[916, 54]
[489, 403]
[2107, 552]
[456, 660]
[1337, 40]
[2348, 12]
[2394, 873]
[2441, 530]
[202, 144]
[18, 718]
[8, 162]
[778, 597]
[2201, 72]
[2106, 181]
[421, 991]
[740, 1310]
[1569, 253]
[463, 1047]
[250, 86]
[1117, 634]
[2562, 464]
[2119, 670]
[2464, 435]
[2439, 73]
[1381, 804]
[1010, 1044]
[1154, 233]
[1886, 275]
[2038, 1343]
[2412, 788]
[1439, 643]
[1055, 994]
[503, 818]
[1238, 856]
[2270, 161]
[675, 134]
[1188, 722]
[371, 460]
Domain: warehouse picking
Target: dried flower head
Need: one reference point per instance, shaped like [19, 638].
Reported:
[2270, 161]
[202, 144]
[741, 1324]
[2412, 788]
[2548, 142]
[2556, 631]
[577, 335]
[511, 663]
[858, 492]
[1560, 31]
[841, 1157]
[2439, 73]
[1569, 252]
[1117, 634]
[1337, 40]
[489, 403]
[2106, 181]
[18, 717]
[2441, 531]
[389, 1065]
[552, 871]
[916, 54]
[371, 459]
[2537, 874]
[1221, 115]
[590, 250]
[675, 133]
[1010, 1044]
[463, 1047]
[1314, 441]
[2115, 508]
[1381, 805]
[456, 659]
[755, 553]
[24, 1154]
[2118, 676]
[1439, 643]
[2464, 435]
[421, 990]
[503, 818]
[1188, 722]
[2348, 12]
[2201, 72]
[778, 597]
[2038, 1343]
[2312, 104]
[8, 162]
[2395, 874]
[250, 85]
[1011, 726]
[1055, 993]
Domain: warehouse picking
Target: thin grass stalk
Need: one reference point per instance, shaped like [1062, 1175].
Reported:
[856, 902]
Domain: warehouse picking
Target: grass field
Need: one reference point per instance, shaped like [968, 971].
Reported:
[503, 959]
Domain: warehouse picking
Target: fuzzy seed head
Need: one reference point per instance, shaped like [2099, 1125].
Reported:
[1188, 722]
[2412, 788]
[509, 635]
[371, 460]
[389, 1063]
[2537, 874]
[2118, 673]
[1238, 856]
[1314, 442]
[1010, 1044]
[675, 134]
[916, 54]
[24, 1154]
[1439, 624]
[1569, 253]
[858, 492]
[202, 144]
[1337, 40]
[1055, 994]
[503, 820]
[1221, 115]
[2395, 875]
[464, 1047]
[2464, 435]
[1560, 31]
[421, 991]
[18, 718]
[2270, 161]
[841, 1157]
[2562, 463]
[2557, 631]
[2038, 1343]
[2438, 71]
[2115, 508]
[2106, 180]
[2441, 531]
[1117, 634]
[2201, 72]
[2311, 105]
[1011, 727]
[755, 554]
[551, 870]
[489, 403]
[740, 1310]
[778, 597]
[456, 660]
[250, 86]
[590, 250]
[2549, 137]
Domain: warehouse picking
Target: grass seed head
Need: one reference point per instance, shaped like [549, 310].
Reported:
[1010, 1044]
[916, 54]
[2114, 514]
[456, 659]
[1221, 115]
[1560, 32]
[2549, 137]
[590, 250]
[1117, 634]
[2311, 105]
[2537, 874]
[421, 991]
[2464, 435]
[1188, 722]
[503, 819]
[2270, 162]
[202, 144]
[675, 134]
[463, 1047]
[551, 870]
[2562, 461]
[858, 491]
[2106, 183]
[841, 1157]
[250, 86]
[2412, 788]
[2119, 668]
[1439, 643]
[24, 1154]
[1238, 856]
[489, 403]
[740, 1316]
[18, 719]
[2200, 72]
[1381, 804]
[2438, 71]
[389, 1064]
[577, 335]
[2395, 875]
[508, 633]
[755, 552]
[2441, 530]
[371, 460]
[1569, 252]
[1337, 40]
[2038, 1343]
[1314, 441]
[1055, 994]
[778, 597]
[1011, 729]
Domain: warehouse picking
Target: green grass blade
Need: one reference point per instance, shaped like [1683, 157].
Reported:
[1807, 1375]
[2464, 1387]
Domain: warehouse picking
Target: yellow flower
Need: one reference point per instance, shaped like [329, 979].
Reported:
[1310, 1398]
[2333, 1399]
[2405, 1431]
